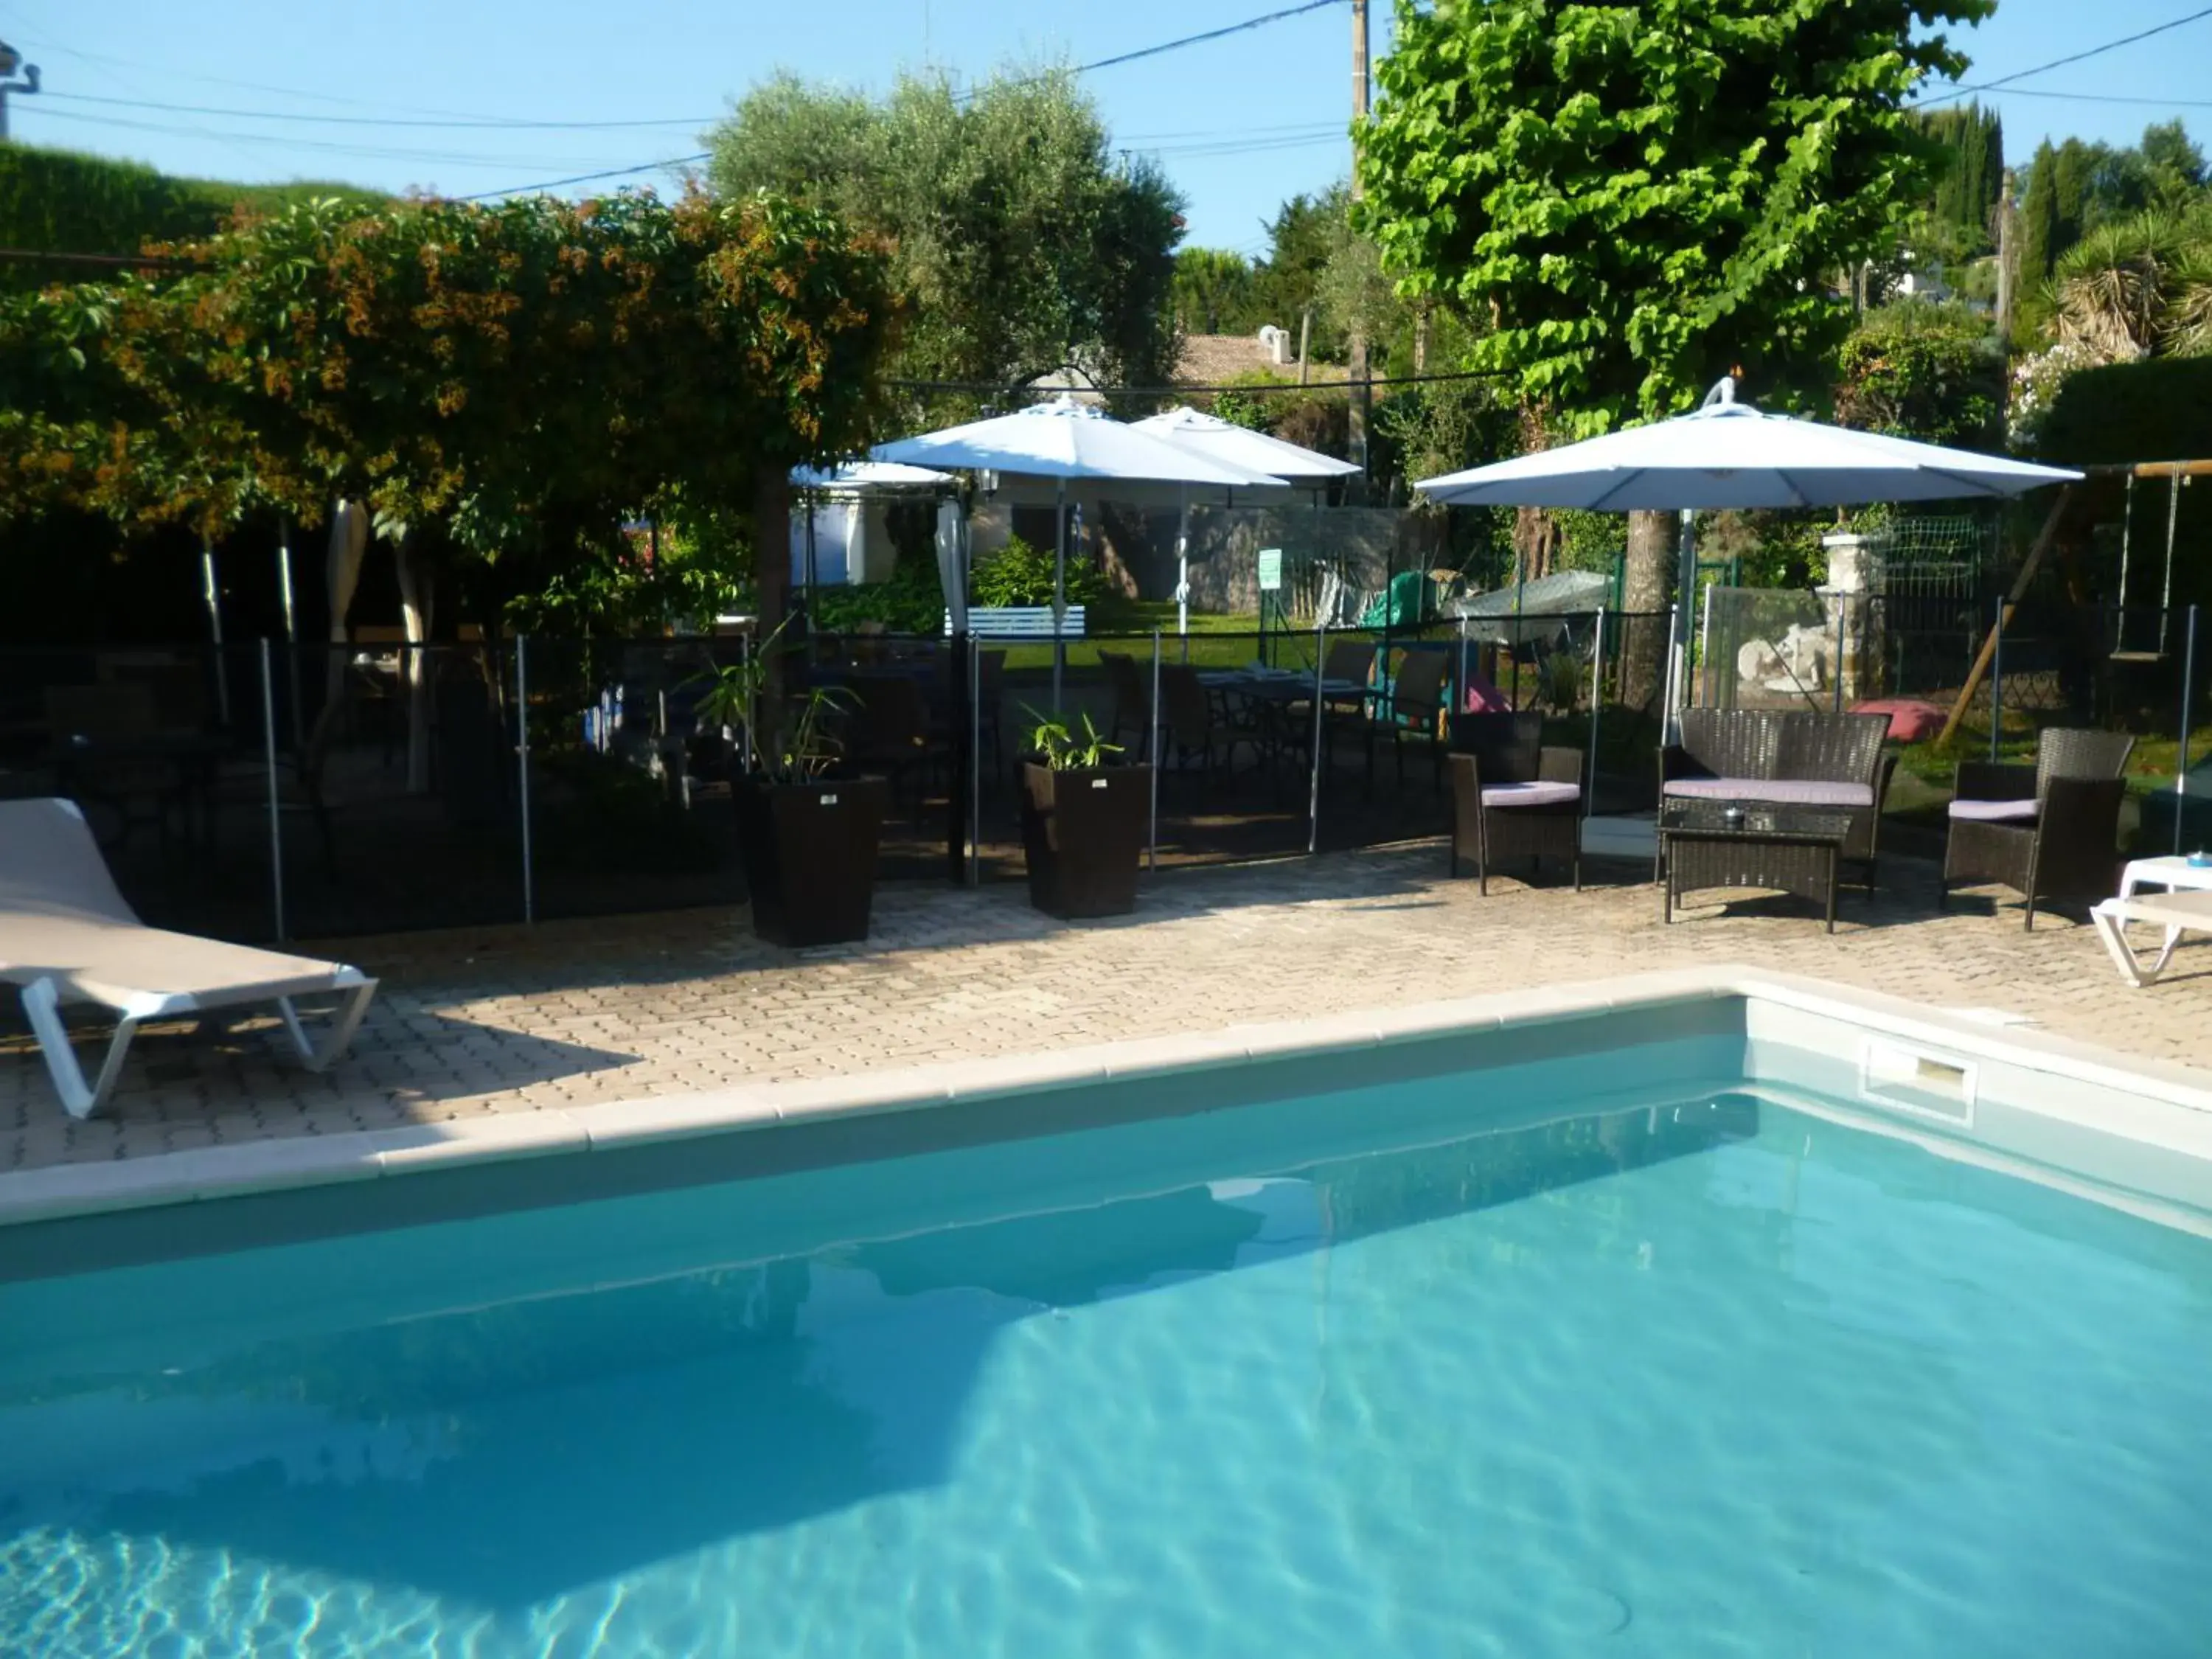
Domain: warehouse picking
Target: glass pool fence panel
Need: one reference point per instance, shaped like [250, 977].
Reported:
[1627, 697]
[165, 750]
[628, 776]
[398, 799]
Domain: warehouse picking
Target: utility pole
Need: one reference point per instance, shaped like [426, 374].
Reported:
[2004, 261]
[1357, 422]
[11, 61]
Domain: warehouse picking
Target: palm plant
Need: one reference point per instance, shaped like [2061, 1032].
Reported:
[2138, 288]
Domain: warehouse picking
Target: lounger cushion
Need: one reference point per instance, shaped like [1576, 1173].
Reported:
[1530, 794]
[1777, 792]
[91, 959]
[1994, 812]
[62, 918]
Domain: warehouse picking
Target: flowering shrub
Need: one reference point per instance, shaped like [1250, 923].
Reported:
[2035, 388]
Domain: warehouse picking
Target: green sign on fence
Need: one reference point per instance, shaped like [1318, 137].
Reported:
[1271, 570]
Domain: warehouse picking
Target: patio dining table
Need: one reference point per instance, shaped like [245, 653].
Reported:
[1270, 695]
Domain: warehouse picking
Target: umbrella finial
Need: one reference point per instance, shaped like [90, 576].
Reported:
[1724, 392]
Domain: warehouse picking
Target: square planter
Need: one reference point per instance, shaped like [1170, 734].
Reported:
[1084, 833]
[808, 852]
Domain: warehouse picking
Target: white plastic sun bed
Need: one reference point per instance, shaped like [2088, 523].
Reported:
[2176, 914]
[68, 935]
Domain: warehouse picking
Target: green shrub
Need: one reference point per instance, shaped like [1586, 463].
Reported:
[2157, 409]
[911, 602]
[1927, 372]
[1022, 575]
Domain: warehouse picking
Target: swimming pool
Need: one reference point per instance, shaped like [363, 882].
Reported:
[1684, 1329]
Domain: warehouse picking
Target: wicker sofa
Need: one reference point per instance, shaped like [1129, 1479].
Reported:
[1786, 759]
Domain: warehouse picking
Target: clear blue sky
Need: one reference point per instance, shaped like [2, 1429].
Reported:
[1239, 123]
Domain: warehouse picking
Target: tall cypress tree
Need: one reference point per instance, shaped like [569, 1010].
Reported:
[2038, 241]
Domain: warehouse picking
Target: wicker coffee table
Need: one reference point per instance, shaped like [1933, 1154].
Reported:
[1781, 849]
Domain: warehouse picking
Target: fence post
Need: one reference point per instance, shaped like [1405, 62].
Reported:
[1152, 743]
[2181, 758]
[269, 758]
[1597, 701]
[1996, 681]
[522, 762]
[957, 825]
[1703, 666]
[1843, 637]
[974, 669]
[1313, 799]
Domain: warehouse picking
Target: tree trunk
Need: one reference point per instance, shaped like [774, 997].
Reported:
[1535, 543]
[1647, 587]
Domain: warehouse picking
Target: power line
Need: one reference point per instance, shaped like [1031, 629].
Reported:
[1211, 34]
[586, 178]
[2061, 62]
[497, 125]
[290, 142]
[1080, 69]
[2108, 98]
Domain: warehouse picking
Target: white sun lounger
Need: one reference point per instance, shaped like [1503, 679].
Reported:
[2175, 913]
[68, 935]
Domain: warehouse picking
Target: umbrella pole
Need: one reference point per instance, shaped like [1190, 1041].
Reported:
[1678, 647]
[1059, 587]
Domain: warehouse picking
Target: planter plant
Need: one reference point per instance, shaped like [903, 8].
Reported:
[1082, 822]
[807, 833]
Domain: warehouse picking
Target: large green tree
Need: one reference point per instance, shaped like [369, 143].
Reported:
[1638, 198]
[1019, 241]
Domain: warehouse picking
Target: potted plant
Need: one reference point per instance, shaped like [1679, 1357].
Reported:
[1083, 821]
[807, 836]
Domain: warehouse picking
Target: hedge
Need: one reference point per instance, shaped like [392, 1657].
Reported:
[57, 200]
[2159, 410]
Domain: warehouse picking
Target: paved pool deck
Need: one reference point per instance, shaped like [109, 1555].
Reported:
[480, 1021]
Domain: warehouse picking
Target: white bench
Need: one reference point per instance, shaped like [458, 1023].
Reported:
[1019, 622]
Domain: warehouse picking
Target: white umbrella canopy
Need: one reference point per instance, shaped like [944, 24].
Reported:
[1729, 455]
[1225, 441]
[1067, 440]
[868, 475]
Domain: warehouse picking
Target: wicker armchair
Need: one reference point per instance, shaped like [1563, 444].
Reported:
[2050, 831]
[1511, 796]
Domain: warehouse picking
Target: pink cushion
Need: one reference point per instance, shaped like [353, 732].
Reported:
[1530, 794]
[1483, 698]
[1775, 792]
[1911, 719]
[1994, 812]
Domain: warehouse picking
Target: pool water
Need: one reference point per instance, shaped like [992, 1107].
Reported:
[1699, 1375]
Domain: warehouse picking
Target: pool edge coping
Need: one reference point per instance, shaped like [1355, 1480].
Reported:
[59, 1191]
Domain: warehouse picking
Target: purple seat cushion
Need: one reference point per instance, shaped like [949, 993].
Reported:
[1777, 792]
[1995, 811]
[1530, 794]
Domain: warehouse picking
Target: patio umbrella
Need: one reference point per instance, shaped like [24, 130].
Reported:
[1225, 441]
[1728, 455]
[1066, 441]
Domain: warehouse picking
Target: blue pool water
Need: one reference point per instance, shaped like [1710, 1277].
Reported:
[1703, 1377]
